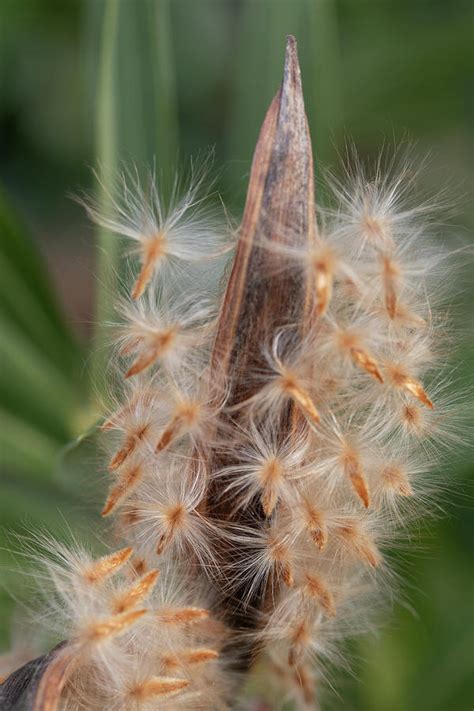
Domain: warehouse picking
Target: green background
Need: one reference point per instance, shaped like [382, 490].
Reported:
[86, 84]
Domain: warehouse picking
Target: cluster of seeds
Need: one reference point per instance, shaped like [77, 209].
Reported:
[319, 464]
[135, 639]
[330, 486]
[360, 375]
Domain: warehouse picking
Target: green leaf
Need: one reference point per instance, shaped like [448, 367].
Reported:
[77, 465]
[40, 396]
[136, 122]
[26, 296]
[108, 255]
[32, 386]
[26, 449]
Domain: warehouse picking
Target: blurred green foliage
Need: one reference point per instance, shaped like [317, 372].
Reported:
[95, 82]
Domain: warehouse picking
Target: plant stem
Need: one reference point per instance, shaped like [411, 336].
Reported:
[108, 255]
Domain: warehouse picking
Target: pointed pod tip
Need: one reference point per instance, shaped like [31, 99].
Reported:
[291, 44]
[279, 208]
[292, 66]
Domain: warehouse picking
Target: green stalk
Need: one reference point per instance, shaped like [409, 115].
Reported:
[136, 120]
[164, 94]
[108, 255]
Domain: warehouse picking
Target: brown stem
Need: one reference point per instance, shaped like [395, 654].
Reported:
[262, 295]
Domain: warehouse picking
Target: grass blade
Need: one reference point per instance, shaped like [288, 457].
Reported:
[106, 137]
[136, 121]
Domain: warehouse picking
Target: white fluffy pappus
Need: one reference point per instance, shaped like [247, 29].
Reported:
[265, 466]
[284, 378]
[163, 516]
[165, 236]
[134, 644]
[159, 331]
